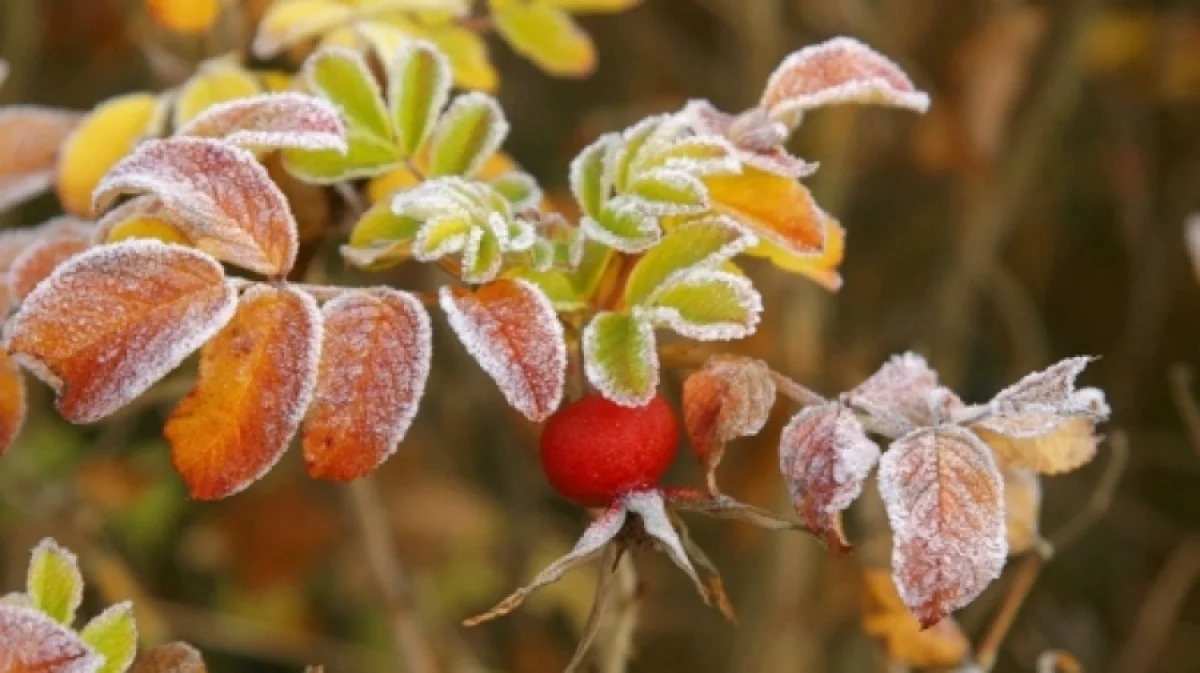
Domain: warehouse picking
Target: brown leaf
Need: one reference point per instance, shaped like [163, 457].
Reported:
[256, 380]
[177, 657]
[727, 399]
[825, 457]
[12, 401]
[945, 502]
[29, 141]
[272, 121]
[1070, 446]
[31, 642]
[218, 194]
[110, 322]
[886, 618]
[511, 329]
[374, 364]
[56, 241]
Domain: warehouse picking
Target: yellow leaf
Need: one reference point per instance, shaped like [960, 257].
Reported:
[106, 135]
[147, 227]
[215, 83]
[468, 56]
[548, 36]
[885, 617]
[594, 6]
[192, 16]
[1070, 446]
[822, 268]
[275, 81]
[290, 22]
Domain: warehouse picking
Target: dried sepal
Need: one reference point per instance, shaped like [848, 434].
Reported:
[110, 322]
[727, 399]
[418, 88]
[272, 121]
[620, 358]
[34, 642]
[590, 545]
[706, 243]
[511, 329]
[470, 130]
[375, 360]
[837, 71]
[656, 523]
[113, 635]
[30, 138]
[256, 380]
[704, 304]
[897, 397]
[218, 194]
[945, 502]
[56, 241]
[825, 457]
[12, 401]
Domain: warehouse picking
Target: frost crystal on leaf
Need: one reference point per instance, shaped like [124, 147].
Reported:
[53, 582]
[375, 361]
[1072, 444]
[590, 182]
[418, 87]
[904, 394]
[945, 501]
[58, 240]
[620, 358]
[825, 457]
[757, 139]
[220, 196]
[1052, 389]
[649, 507]
[665, 191]
[469, 131]
[705, 243]
[705, 305]
[272, 121]
[34, 642]
[110, 322]
[30, 138]
[727, 399]
[511, 329]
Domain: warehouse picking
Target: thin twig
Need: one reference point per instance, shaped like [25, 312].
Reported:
[1181, 393]
[989, 647]
[618, 648]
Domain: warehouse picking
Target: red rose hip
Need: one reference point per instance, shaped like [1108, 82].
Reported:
[594, 450]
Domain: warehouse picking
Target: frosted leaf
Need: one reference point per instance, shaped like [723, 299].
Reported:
[590, 182]
[726, 399]
[621, 225]
[469, 131]
[620, 155]
[272, 121]
[620, 358]
[705, 243]
[705, 305]
[257, 377]
[758, 140]
[1022, 507]
[17, 600]
[898, 397]
[440, 237]
[54, 245]
[375, 361]
[649, 507]
[840, 70]
[699, 155]
[33, 642]
[1071, 445]
[520, 188]
[664, 191]
[589, 546]
[30, 137]
[113, 634]
[1052, 389]
[483, 254]
[109, 323]
[721, 506]
[825, 458]
[522, 235]
[418, 86]
[218, 194]
[1025, 425]
[945, 502]
[141, 207]
[510, 328]
[53, 582]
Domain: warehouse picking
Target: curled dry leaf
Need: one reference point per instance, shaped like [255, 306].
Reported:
[12, 401]
[256, 379]
[32, 642]
[57, 241]
[841, 70]
[945, 502]
[29, 141]
[273, 121]
[375, 360]
[902, 395]
[825, 457]
[886, 618]
[110, 322]
[511, 329]
[177, 657]
[218, 194]
[1070, 446]
[727, 399]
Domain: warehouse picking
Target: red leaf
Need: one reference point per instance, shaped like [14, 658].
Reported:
[12, 401]
[511, 329]
[945, 502]
[374, 363]
[272, 122]
[256, 380]
[219, 196]
[727, 399]
[31, 642]
[56, 241]
[825, 457]
[110, 322]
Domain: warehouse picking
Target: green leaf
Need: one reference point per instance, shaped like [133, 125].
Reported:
[589, 181]
[620, 224]
[342, 76]
[469, 132]
[519, 188]
[618, 163]
[694, 155]
[113, 634]
[546, 35]
[418, 88]
[556, 285]
[669, 192]
[366, 156]
[54, 583]
[484, 251]
[592, 264]
[379, 223]
[705, 242]
[441, 237]
[705, 305]
[620, 358]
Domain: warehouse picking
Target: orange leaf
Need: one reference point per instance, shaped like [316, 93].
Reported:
[728, 398]
[374, 364]
[886, 618]
[511, 329]
[191, 17]
[256, 379]
[31, 642]
[12, 401]
[110, 322]
[105, 135]
[218, 194]
[779, 209]
[29, 141]
[59, 240]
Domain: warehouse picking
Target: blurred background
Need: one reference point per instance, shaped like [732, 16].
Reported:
[1036, 212]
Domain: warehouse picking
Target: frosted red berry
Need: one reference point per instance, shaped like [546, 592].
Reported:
[594, 450]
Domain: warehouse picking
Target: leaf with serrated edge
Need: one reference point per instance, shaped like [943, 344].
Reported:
[510, 328]
[837, 71]
[1071, 445]
[113, 634]
[649, 507]
[621, 358]
[702, 243]
[726, 399]
[12, 401]
[53, 582]
[110, 322]
[42, 256]
[374, 364]
[343, 77]
[589, 180]
[825, 457]
[256, 380]
[417, 90]
[219, 195]
[272, 121]
[1052, 389]
[896, 397]
[469, 131]
[548, 36]
[102, 138]
[30, 138]
[34, 643]
[593, 541]
[705, 305]
[945, 501]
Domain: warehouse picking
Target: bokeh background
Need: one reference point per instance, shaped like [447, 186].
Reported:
[1036, 212]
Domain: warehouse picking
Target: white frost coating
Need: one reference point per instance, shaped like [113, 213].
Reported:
[438, 238]
[648, 230]
[111, 298]
[220, 196]
[272, 121]
[522, 183]
[704, 243]
[309, 72]
[1053, 387]
[621, 154]
[662, 310]
[648, 505]
[590, 182]
[34, 642]
[45, 552]
[517, 339]
[399, 87]
[840, 70]
[703, 154]
[825, 458]
[112, 615]
[646, 193]
[472, 271]
[494, 134]
[897, 396]
[138, 207]
[522, 235]
[447, 196]
[945, 501]
[597, 367]
[749, 396]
